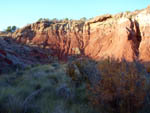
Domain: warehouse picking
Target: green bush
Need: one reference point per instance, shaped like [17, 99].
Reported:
[8, 29]
[11, 29]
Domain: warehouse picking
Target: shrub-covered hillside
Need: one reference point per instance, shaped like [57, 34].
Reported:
[81, 86]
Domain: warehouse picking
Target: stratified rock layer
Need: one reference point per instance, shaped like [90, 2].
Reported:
[122, 36]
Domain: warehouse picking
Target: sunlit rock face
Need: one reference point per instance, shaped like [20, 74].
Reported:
[143, 20]
[112, 38]
[62, 37]
[121, 36]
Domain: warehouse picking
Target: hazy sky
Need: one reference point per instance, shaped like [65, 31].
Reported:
[22, 12]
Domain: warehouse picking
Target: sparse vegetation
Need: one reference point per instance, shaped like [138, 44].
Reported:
[118, 87]
[122, 88]
[11, 29]
[42, 89]
[128, 12]
[83, 19]
[65, 20]
[40, 19]
[43, 19]
[82, 86]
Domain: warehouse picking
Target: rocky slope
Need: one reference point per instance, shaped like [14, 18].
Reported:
[121, 36]
[15, 56]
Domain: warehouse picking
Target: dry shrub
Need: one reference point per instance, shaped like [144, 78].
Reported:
[122, 88]
[74, 71]
[147, 66]
[84, 70]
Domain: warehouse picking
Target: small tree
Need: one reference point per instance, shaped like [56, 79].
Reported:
[83, 19]
[8, 29]
[66, 19]
[40, 19]
[55, 20]
[13, 29]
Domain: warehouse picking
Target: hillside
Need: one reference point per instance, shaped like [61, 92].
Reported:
[101, 65]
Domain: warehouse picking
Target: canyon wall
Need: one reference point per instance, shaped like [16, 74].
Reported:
[121, 36]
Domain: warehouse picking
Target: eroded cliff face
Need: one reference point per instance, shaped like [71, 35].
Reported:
[121, 36]
[113, 38]
[143, 19]
[63, 38]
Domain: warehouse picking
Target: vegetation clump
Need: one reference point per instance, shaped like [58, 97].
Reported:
[122, 88]
[11, 29]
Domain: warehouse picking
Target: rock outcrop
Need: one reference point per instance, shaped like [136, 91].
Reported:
[121, 36]
[64, 38]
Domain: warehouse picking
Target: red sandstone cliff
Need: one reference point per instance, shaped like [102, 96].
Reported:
[121, 36]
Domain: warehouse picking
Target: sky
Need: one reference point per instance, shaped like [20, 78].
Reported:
[23, 12]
